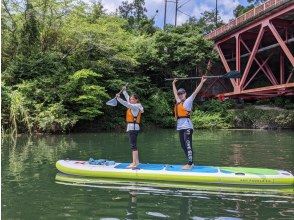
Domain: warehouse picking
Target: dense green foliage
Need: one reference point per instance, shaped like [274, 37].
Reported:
[261, 115]
[213, 114]
[61, 60]
[251, 117]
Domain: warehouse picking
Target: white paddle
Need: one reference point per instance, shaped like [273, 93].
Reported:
[113, 102]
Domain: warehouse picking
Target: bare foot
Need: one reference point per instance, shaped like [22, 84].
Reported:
[133, 165]
[187, 167]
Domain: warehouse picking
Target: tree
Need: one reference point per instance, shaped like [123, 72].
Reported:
[134, 10]
[139, 10]
[97, 11]
[63, 59]
[205, 24]
[83, 96]
[126, 9]
[30, 31]
[135, 13]
[176, 51]
[240, 9]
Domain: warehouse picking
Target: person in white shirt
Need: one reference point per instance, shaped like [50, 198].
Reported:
[133, 120]
[182, 111]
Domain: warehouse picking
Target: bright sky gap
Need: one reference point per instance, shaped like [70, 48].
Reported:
[192, 8]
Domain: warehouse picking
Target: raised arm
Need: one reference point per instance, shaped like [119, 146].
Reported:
[126, 95]
[175, 91]
[126, 103]
[194, 94]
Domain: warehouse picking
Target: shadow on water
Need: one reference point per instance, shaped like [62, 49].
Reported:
[29, 189]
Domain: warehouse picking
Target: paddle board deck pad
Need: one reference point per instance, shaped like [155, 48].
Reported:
[175, 173]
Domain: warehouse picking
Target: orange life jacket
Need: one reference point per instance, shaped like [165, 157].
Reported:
[130, 118]
[180, 111]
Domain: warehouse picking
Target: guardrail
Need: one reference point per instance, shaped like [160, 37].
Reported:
[245, 17]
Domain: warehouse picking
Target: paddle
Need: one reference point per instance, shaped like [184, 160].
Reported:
[113, 102]
[229, 75]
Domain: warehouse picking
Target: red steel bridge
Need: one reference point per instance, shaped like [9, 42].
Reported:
[259, 44]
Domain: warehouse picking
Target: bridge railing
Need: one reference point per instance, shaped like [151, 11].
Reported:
[245, 17]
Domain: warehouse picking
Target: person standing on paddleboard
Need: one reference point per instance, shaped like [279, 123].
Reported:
[182, 110]
[133, 120]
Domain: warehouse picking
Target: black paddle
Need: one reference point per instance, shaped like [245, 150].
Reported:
[234, 74]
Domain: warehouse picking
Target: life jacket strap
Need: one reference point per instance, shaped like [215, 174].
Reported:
[183, 117]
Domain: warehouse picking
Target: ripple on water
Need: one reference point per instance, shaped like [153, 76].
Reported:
[275, 201]
[157, 214]
[109, 218]
[226, 218]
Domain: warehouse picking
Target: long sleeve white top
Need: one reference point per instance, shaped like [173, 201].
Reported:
[135, 109]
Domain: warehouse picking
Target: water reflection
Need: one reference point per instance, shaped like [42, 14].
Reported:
[26, 151]
[234, 200]
[131, 211]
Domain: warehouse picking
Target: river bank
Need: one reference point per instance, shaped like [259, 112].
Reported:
[210, 114]
[249, 117]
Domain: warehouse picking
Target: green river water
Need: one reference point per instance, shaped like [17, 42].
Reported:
[30, 191]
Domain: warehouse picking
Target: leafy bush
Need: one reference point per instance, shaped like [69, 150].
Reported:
[19, 112]
[39, 64]
[285, 119]
[5, 106]
[159, 110]
[83, 96]
[53, 119]
[282, 102]
[202, 119]
[251, 117]
[216, 106]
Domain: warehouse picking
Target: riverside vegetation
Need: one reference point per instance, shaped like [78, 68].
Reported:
[61, 60]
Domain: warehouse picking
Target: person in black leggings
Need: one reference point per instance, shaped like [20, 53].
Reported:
[182, 110]
[186, 143]
[133, 120]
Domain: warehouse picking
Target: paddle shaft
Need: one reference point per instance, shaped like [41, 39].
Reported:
[196, 77]
[114, 99]
[123, 88]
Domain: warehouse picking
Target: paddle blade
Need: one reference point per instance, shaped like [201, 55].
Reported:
[232, 74]
[112, 102]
